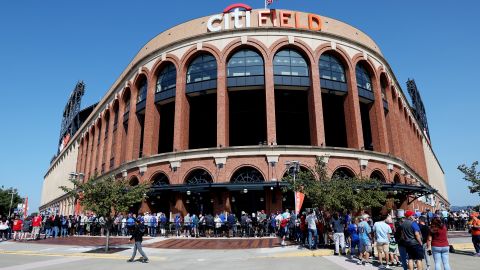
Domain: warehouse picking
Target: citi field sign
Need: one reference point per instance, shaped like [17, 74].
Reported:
[239, 16]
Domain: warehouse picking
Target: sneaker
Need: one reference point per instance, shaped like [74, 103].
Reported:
[130, 260]
[388, 267]
[359, 262]
[364, 263]
[145, 261]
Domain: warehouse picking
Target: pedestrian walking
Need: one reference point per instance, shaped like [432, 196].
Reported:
[311, 221]
[474, 228]
[438, 245]
[17, 228]
[364, 231]
[36, 224]
[137, 236]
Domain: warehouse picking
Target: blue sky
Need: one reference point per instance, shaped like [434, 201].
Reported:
[47, 46]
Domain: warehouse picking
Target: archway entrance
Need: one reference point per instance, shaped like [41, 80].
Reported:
[250, 198]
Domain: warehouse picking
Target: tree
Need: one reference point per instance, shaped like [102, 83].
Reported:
[472, 175]
[6, 198]
[107, 197]
[337, 193]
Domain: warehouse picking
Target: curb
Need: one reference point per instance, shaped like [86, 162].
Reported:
[316, 253]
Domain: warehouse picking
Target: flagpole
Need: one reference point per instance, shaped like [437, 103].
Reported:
[265, 2]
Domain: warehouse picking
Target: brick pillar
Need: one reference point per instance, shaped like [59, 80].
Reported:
[101, 146]
[377, 119]
[315, 108]
[222, 107]
[120, 135]
[182, 115]
[179, 206]
[93, 151]
[152, 122]
[391, 122]
[353, 120]
[270, 103]
[84, 154]
[109, 141]
[133, 139]
[79, 157]
[88, 154]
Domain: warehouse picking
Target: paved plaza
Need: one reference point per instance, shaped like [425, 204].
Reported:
[205, 254]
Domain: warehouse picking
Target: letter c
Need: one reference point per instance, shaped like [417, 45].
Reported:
[213, 19]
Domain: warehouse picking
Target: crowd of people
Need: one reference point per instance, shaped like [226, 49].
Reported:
[403, 240]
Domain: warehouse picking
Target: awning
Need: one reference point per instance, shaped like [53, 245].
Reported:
[217, 186]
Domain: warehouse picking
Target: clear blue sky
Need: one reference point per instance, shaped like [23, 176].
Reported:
[47, 46]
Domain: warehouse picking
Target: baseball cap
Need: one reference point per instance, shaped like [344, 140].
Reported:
[409, 213]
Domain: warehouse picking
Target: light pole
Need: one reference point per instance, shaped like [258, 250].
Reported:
[293, 165]
[12, 192]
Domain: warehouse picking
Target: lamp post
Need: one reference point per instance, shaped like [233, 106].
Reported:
[293, 165]
[11, 192]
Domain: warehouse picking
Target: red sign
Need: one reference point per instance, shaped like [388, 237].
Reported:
[299, 197]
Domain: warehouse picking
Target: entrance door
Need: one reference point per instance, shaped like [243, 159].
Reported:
[249, 202]
[198, 203]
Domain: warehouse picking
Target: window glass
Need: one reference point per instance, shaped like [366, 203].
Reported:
[167, 78]
[331, 68]
[202, 68]
[363, 78]
[142, 91]
[245, 63]
[289, 62]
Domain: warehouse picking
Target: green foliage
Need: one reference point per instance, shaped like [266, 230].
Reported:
[5, 199]
[471, 175]
[107, 196]
[338, 193]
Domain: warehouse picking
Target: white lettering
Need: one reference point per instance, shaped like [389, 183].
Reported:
[226, 18]
[236, 14]
[247, 18]
[212, 20]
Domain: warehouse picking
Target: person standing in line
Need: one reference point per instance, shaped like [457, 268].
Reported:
[56, 226]
[25, 228]
[413, 241]
[382, 238]
[311, 221]
[474, 228]
[17, 228]
[364, 231]
[437, 244]
[338, 226]
[36, 223]
[425, 231]
[137, 236]
[4, 229]
[353, 236]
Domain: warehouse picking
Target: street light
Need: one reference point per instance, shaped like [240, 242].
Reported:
[295, 167]
[11, 192]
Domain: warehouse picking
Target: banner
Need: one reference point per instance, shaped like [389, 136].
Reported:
[299, 197]
[25, 208]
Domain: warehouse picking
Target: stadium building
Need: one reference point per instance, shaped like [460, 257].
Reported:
[213, 112]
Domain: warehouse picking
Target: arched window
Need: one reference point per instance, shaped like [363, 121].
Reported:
[377, 175]
[142, 90]
[126, 99]
[166, 83]
[160, 179]
[247, 175]
[342, 173]
[245, 68]
[364, 82]
[396, 179]
[198, 176]
[332, 73]
[202, 73]
[290, 69]
[133, 182]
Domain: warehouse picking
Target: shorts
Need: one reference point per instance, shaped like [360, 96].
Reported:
[415, 252]
[355, 244]
[365, 246]
[393, 248]
[382, 248]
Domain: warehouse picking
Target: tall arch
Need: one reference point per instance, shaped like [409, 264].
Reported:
[126, 99]
[365, 88]
[245, 72]
[292, 79]
[159, 179]
[334, 87]
[201, 86]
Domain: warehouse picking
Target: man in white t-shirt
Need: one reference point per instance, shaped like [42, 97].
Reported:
[311, 221]
[382, 238]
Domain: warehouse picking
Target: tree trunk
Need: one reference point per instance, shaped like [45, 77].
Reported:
[108, 240]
